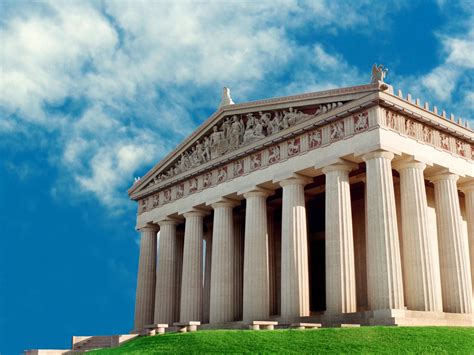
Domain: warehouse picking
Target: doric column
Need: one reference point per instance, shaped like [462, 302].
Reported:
[422, 282]
[145, 296]
[256, 298]
[456, 284]
[468, 189]
[192, 280]
[166, 284]
[384, 272]
[340, 268]
[222, 273]
[294, 250]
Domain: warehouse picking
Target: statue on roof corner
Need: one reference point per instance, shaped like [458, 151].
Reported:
[378, 73]
[226, 99]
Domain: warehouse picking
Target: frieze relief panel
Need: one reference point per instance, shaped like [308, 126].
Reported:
[426, 134]
[316, 138]
[236, 131]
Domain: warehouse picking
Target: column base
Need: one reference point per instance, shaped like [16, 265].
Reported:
[387, 317]
[394, 317]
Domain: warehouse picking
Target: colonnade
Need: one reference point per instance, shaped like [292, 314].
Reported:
[425, 287]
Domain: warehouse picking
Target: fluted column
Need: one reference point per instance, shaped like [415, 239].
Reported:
[422, 283]
[166, 284]
[340, 268]
[145, 296]
[468, 189]
[192, 279]
[456, 284]
[294, 250]
[256, 298]
[222, 269]
[384, 272]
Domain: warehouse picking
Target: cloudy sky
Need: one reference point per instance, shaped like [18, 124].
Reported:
[94, 93]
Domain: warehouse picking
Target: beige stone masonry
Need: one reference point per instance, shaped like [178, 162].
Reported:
[468, 190]
[154, 329]
[456, 281]
[384, 273]
[165, 295]
[192, 279]
[184, 327]
[265, 325]
[422, 277]
[256, 297]
[294, 250]
[340, 274]
[222, 268]
[145, 296]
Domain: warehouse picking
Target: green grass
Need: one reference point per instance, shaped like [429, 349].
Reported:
[376, 340]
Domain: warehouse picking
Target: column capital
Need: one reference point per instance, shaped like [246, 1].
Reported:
[194, 212]
[223, 202]
[167, 222]
[378, 154]
[408, 163]
[295, 179]
[149, 227]
[443, 176]
[467, 186]
[342, 165]
[256, 191]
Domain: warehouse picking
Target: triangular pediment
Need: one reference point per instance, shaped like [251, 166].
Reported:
[229, 131]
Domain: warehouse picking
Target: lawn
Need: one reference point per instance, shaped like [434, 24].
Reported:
[433, 340]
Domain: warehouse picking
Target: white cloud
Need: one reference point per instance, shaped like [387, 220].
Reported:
[119, 82]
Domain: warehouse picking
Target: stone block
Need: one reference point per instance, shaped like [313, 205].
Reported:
[184, 327]
[260, 324]
[305, 325]
[153, 329]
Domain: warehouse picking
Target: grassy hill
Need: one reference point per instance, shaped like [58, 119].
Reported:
[329, 340]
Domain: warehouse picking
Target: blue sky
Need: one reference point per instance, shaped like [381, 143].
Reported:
[94, 93]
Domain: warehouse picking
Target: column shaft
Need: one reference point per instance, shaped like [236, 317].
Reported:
[384, 273]
[422, 279]
[294, 251]
[165, 294]
[469, 201]
[453, 246]
[192, 279]
[256, 300]
[222, 308]
[340, 268]
[145, 296]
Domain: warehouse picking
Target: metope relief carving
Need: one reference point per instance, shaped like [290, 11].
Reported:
[273, 154]
[410, 128]
[315, 138]
[222, 174]
[294, 146]
[361, 122]
[237, 131]
[193, 185]
[425, 133]
[255, 161]
[337, 130]
[207, 180]
[239, 167]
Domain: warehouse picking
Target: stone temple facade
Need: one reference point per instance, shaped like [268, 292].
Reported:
[353, 205]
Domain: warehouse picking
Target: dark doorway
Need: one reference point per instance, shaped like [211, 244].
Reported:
[316, 251]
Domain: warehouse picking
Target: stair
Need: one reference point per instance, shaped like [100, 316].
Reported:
[86, 343]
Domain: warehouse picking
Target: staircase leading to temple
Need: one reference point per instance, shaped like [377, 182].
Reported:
[85, 343]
